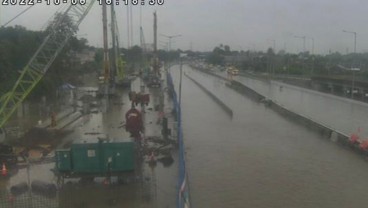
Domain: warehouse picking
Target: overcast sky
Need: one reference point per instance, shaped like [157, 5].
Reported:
[241, 24]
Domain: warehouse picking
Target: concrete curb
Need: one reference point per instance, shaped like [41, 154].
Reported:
[226, 108]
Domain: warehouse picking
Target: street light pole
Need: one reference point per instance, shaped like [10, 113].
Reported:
[302, 37]
[355, 37]
[312, 70]
[353, 69]
[165, 44]
[274, 44]
[272, 70]
[170, 37]
[353, 81]
[312, 44]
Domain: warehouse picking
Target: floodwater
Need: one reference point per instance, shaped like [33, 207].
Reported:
[258, 158]
[342, 114]
[150, 187]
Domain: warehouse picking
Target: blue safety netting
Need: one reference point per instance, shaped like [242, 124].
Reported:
[183, 189]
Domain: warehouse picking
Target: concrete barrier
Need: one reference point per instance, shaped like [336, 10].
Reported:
[241, 89]
[323, 129]
[226, 108]
[207, 72]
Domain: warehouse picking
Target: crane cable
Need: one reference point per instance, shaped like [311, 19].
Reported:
[22, 12]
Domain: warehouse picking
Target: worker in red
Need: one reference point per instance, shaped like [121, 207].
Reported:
[134, 122]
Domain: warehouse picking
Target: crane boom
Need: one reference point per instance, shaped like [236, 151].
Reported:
[40, 62]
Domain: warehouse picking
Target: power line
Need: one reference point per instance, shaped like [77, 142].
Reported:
[22, 12]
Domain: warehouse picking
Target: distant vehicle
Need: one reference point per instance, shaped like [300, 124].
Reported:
[101, 79]
[235, 72]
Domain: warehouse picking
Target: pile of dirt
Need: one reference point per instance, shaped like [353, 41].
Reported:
[37, 136]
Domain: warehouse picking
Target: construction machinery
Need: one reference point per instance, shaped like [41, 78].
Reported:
[58, 34]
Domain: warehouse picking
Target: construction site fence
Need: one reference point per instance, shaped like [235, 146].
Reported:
[27, 199]
[183, 199]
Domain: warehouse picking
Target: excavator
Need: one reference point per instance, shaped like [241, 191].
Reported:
[56, 38]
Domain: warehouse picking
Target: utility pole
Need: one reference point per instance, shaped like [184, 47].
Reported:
[106, 57]
[155, 56]
[273, 45]
[128, 28]
[312, 45]
[115, 50]
[155, 33]
[106, 49]
[131, 25]
[170, 37]
[312, 70]
[303, 62]
[271, 57]
[303, 38]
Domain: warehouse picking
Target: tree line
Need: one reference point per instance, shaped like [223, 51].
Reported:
[17, 46]
[303, 64]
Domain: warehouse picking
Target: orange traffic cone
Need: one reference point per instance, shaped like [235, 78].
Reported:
[106, 182]
[4, 171]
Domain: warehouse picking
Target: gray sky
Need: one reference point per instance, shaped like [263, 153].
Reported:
[241, 24]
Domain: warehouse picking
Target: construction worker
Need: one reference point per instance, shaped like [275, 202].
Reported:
[53, 119]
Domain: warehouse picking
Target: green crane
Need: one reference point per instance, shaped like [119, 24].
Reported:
[58, 35]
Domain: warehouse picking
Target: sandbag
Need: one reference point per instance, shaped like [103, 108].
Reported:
[44, 188]
[19, 189]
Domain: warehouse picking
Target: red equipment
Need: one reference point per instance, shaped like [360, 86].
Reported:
[134, 122]
[4, 171]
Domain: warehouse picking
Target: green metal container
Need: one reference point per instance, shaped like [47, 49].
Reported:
[118, 157]
[86, 158]
[96, 158]
[63, 160]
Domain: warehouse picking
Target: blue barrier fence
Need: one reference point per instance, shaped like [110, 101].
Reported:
[183, 189]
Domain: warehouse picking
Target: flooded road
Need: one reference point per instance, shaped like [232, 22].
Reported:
[342, 114]
[258, 158]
